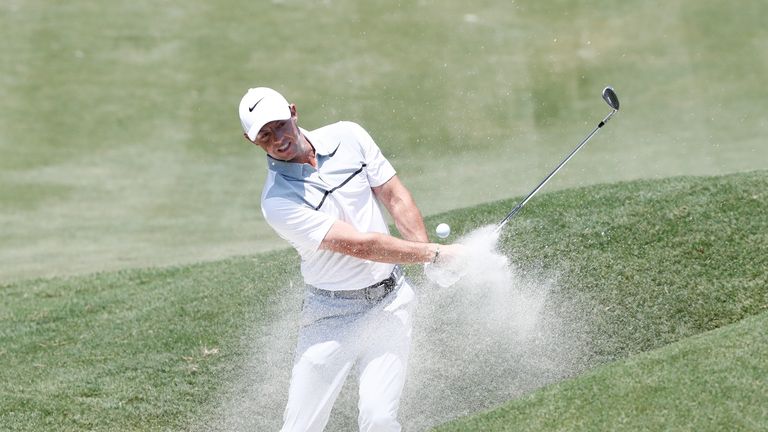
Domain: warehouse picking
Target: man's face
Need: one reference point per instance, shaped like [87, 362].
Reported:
[280, 138]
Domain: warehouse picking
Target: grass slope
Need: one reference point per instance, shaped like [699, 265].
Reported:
[131, 350]
[150, 349]
[659, 260]
[710, 382]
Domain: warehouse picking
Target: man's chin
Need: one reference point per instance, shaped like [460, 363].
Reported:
[285, 156]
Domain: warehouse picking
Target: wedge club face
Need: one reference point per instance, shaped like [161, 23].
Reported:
[609, 96]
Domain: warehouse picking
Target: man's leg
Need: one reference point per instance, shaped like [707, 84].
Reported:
[384, 362]
[316, 380]
[325, 354]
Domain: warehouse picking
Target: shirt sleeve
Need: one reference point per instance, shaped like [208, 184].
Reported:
[302, 227]
[378, 169]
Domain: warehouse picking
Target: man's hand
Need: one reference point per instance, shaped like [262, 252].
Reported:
[450, 265]
[451, 254]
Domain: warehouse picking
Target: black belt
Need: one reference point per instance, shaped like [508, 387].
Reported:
[372, 293]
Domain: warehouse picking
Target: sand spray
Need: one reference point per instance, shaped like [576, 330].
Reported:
[499, 332]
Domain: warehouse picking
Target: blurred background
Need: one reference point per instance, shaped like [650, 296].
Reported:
[120, 144]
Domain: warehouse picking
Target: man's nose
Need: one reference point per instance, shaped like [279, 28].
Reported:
[279, 135]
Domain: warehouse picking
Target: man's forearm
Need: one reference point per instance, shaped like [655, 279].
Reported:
[342, 238]
[408, 220]
[386, 248]
[402, 207]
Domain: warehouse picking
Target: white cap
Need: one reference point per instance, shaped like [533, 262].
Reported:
[260, 106]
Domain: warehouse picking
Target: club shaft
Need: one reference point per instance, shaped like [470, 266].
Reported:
[560, 165]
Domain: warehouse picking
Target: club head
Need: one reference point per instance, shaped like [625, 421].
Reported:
[609, 96]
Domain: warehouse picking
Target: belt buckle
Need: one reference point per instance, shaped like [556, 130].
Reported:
[382, 289]
[369, 296]
[375, 293]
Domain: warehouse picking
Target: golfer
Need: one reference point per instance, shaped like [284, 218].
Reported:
[323, 194]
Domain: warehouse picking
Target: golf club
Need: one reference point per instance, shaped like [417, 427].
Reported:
[609, 96]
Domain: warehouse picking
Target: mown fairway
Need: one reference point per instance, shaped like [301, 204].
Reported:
[120, 145]
[638, 266]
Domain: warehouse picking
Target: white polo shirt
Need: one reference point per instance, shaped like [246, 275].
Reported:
[301, 203]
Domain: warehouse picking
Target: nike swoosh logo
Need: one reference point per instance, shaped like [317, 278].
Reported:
[254, 105]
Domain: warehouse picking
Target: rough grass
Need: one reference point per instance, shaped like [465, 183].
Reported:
[131, 350]
[152, 349]
[660, 261]
[710, 382]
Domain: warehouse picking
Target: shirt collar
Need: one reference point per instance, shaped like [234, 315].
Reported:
[323, 149]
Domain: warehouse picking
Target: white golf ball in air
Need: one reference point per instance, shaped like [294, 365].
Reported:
[443, 230]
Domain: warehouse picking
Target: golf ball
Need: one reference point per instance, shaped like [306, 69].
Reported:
[443, 230]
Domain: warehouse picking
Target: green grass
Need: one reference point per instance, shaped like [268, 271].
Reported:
[131, 350]
[120, 145]
[710, 382]
[658, 261]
